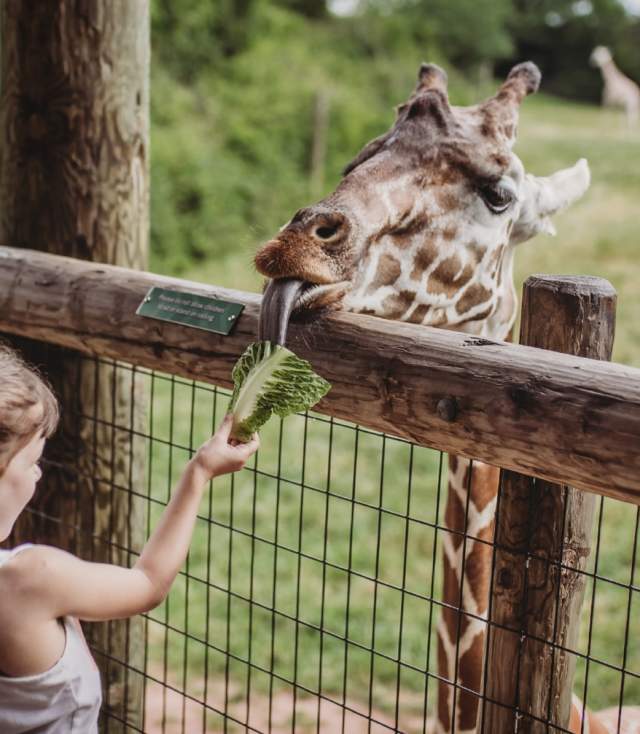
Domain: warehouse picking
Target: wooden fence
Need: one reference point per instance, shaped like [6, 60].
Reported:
[560, 418]
[557, 417]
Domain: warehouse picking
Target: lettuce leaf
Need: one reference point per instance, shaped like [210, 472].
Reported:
[271, 379]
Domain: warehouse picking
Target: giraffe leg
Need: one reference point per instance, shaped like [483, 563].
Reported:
[469, 516]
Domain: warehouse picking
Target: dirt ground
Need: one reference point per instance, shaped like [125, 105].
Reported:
[169, 712]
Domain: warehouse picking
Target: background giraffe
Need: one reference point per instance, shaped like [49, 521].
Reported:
[423, 228]
[619, 90]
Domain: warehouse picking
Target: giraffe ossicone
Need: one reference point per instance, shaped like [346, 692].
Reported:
[423, 228]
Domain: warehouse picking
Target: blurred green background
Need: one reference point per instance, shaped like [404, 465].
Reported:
[237, 87]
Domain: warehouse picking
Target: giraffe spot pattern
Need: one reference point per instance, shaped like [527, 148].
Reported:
[443, 703]
[419, 314]
[476, 564]
[424, 258]
[402, 200]
[477, 251]
[447, 198]
[449, 232]
[487, 128]
[387, 273]
[449, 277]
[397, 304]
[437, 317]
[455, 622]
[484, 484]
[407, 227]
[483, 314]
[469, 669]
[454, 518]
[500, 160]
[494, 261]
[474, 295]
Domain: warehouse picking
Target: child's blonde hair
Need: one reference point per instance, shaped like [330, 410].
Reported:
[22, 390]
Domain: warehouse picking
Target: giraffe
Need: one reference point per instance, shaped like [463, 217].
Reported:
[619, 90]
[422, 228]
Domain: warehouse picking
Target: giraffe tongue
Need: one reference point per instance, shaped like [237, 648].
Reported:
[278, 301]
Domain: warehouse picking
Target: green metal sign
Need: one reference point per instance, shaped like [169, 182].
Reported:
[190, 309]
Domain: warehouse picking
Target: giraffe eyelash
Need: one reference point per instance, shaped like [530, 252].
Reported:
[498, 196]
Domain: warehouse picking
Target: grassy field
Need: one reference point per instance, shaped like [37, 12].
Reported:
[307, 512]
[598, 235]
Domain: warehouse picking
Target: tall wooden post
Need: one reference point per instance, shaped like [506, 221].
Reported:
[543, 532]
[74, 127]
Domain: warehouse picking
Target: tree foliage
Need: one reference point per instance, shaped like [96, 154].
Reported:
[191, 35]
[235, 84]
[559, 35]
[469, 32]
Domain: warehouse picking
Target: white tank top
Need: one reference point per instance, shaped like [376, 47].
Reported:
[64, 699]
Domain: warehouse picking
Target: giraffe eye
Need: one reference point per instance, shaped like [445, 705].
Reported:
[498, 197]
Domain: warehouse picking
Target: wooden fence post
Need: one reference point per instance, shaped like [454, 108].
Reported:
[74, 181]
[543, 531]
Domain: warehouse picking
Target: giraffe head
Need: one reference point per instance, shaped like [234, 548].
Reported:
[423, 224]
[600, 56]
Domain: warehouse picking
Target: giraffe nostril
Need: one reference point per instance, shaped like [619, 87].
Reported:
[326, 233]
[330, 228]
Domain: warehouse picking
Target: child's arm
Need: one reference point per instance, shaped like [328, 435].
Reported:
[51, 583]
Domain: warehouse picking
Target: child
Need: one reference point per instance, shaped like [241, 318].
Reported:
[48, 680]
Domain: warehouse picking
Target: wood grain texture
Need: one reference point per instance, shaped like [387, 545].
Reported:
[562, 418]
[543, 535]
[74, 127]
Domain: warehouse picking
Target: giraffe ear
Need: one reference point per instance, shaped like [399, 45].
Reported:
[542, 197]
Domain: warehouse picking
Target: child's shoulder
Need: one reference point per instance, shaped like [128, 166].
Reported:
[27, 556]
[25, 572]
[31, 638]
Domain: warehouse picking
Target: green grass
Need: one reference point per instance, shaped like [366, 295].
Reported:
[598, 235]
[312, 499]
[299, 501]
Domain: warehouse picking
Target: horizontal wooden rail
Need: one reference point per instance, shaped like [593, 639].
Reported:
[566, 419]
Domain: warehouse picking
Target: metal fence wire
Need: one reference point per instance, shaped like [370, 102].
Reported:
[311, 594]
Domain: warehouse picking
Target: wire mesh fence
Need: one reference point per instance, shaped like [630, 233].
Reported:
[313, 586]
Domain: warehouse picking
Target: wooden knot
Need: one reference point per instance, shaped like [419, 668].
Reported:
[36, 127]
[447, 409]
[505, 578]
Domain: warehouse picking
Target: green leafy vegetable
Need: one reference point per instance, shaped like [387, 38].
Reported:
[271, 379]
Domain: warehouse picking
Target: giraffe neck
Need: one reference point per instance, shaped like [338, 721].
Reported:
[607, 67]
[436, 284]
[611, 74]
[469, 522]
[467, 553]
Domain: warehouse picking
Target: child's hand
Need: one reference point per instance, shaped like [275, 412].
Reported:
[218, 455]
